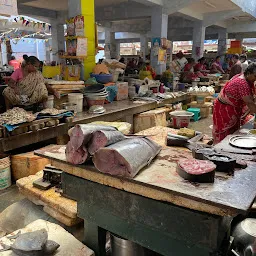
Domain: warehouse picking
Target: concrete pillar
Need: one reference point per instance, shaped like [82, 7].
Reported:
[159, 28]
[198, 40]
[4, 53]
[117, 49]
[143, 46]
[58, 40]
[47, 51]
[110, 44]
[86, 8]
[222, 41]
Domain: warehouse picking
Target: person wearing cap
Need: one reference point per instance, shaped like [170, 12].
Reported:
[237, 67]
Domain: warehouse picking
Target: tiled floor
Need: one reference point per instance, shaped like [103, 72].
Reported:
[9, 196]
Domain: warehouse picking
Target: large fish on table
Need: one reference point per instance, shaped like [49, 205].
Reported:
[126, 158]
[81, 134]
[78, 156]
[101, 139]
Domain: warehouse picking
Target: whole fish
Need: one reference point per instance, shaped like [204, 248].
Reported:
[81, 134]
[102, 139]
[126, 158]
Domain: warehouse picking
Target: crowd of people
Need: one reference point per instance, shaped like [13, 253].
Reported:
[191, 70]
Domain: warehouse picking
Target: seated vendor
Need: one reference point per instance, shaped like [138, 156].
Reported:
[189, 73]
[201, 68]
[217, 67]
[26, 86]
[149, 68]
[234, 103]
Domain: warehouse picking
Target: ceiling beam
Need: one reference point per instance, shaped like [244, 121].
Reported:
[24, 1]
[241, 27]
[123, 11]
[195, 16]
[176, 5]
[248, 6]
[28, 10]
[214, 17]
[150, 2]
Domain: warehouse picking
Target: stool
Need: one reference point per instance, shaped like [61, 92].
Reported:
[196, 112]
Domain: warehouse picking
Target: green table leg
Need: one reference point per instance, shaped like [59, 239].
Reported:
[95, 238]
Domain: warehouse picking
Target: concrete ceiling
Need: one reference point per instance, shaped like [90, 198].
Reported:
[206, 6]
[56, 5]
[62, 5]
[134, 15]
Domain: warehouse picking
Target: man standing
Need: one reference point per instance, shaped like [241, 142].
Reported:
[237, 67]
[245, 64]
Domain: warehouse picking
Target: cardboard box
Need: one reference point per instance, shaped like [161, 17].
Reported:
[122, 91]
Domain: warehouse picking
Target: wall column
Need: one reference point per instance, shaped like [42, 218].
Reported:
[144, 46]
[159, 28]
[47, 51]
[198, 40]
[117, 49]
[222, 41]
[110, 44]
[86, 8]
[58, 40]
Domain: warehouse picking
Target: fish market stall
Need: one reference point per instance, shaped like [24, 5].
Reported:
[154, 207]
[34, 131]
[20, 128]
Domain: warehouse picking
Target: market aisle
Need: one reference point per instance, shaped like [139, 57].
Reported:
[9, 196]
[203, 125]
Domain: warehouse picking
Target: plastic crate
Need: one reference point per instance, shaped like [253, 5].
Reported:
[196, 112]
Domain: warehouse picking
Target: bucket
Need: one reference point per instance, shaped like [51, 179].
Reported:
[76, 98]
[5, 172]
[200, 99]
[50, 102]
[123, 247]
[181, 119]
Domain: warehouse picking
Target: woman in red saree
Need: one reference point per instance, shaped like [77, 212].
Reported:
[200, 67]
[234, 103]
[189, 74]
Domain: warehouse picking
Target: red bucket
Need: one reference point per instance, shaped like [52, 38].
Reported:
[181, 119]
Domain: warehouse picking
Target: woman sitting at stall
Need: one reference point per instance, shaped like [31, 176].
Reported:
[216, 66]
[26, 86]
[150, 69]
[200, 67]
[189, 73]
[234, 103]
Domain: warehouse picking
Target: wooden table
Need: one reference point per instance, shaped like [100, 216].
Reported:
[118, 110]
[124, 110]
[157, 209]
